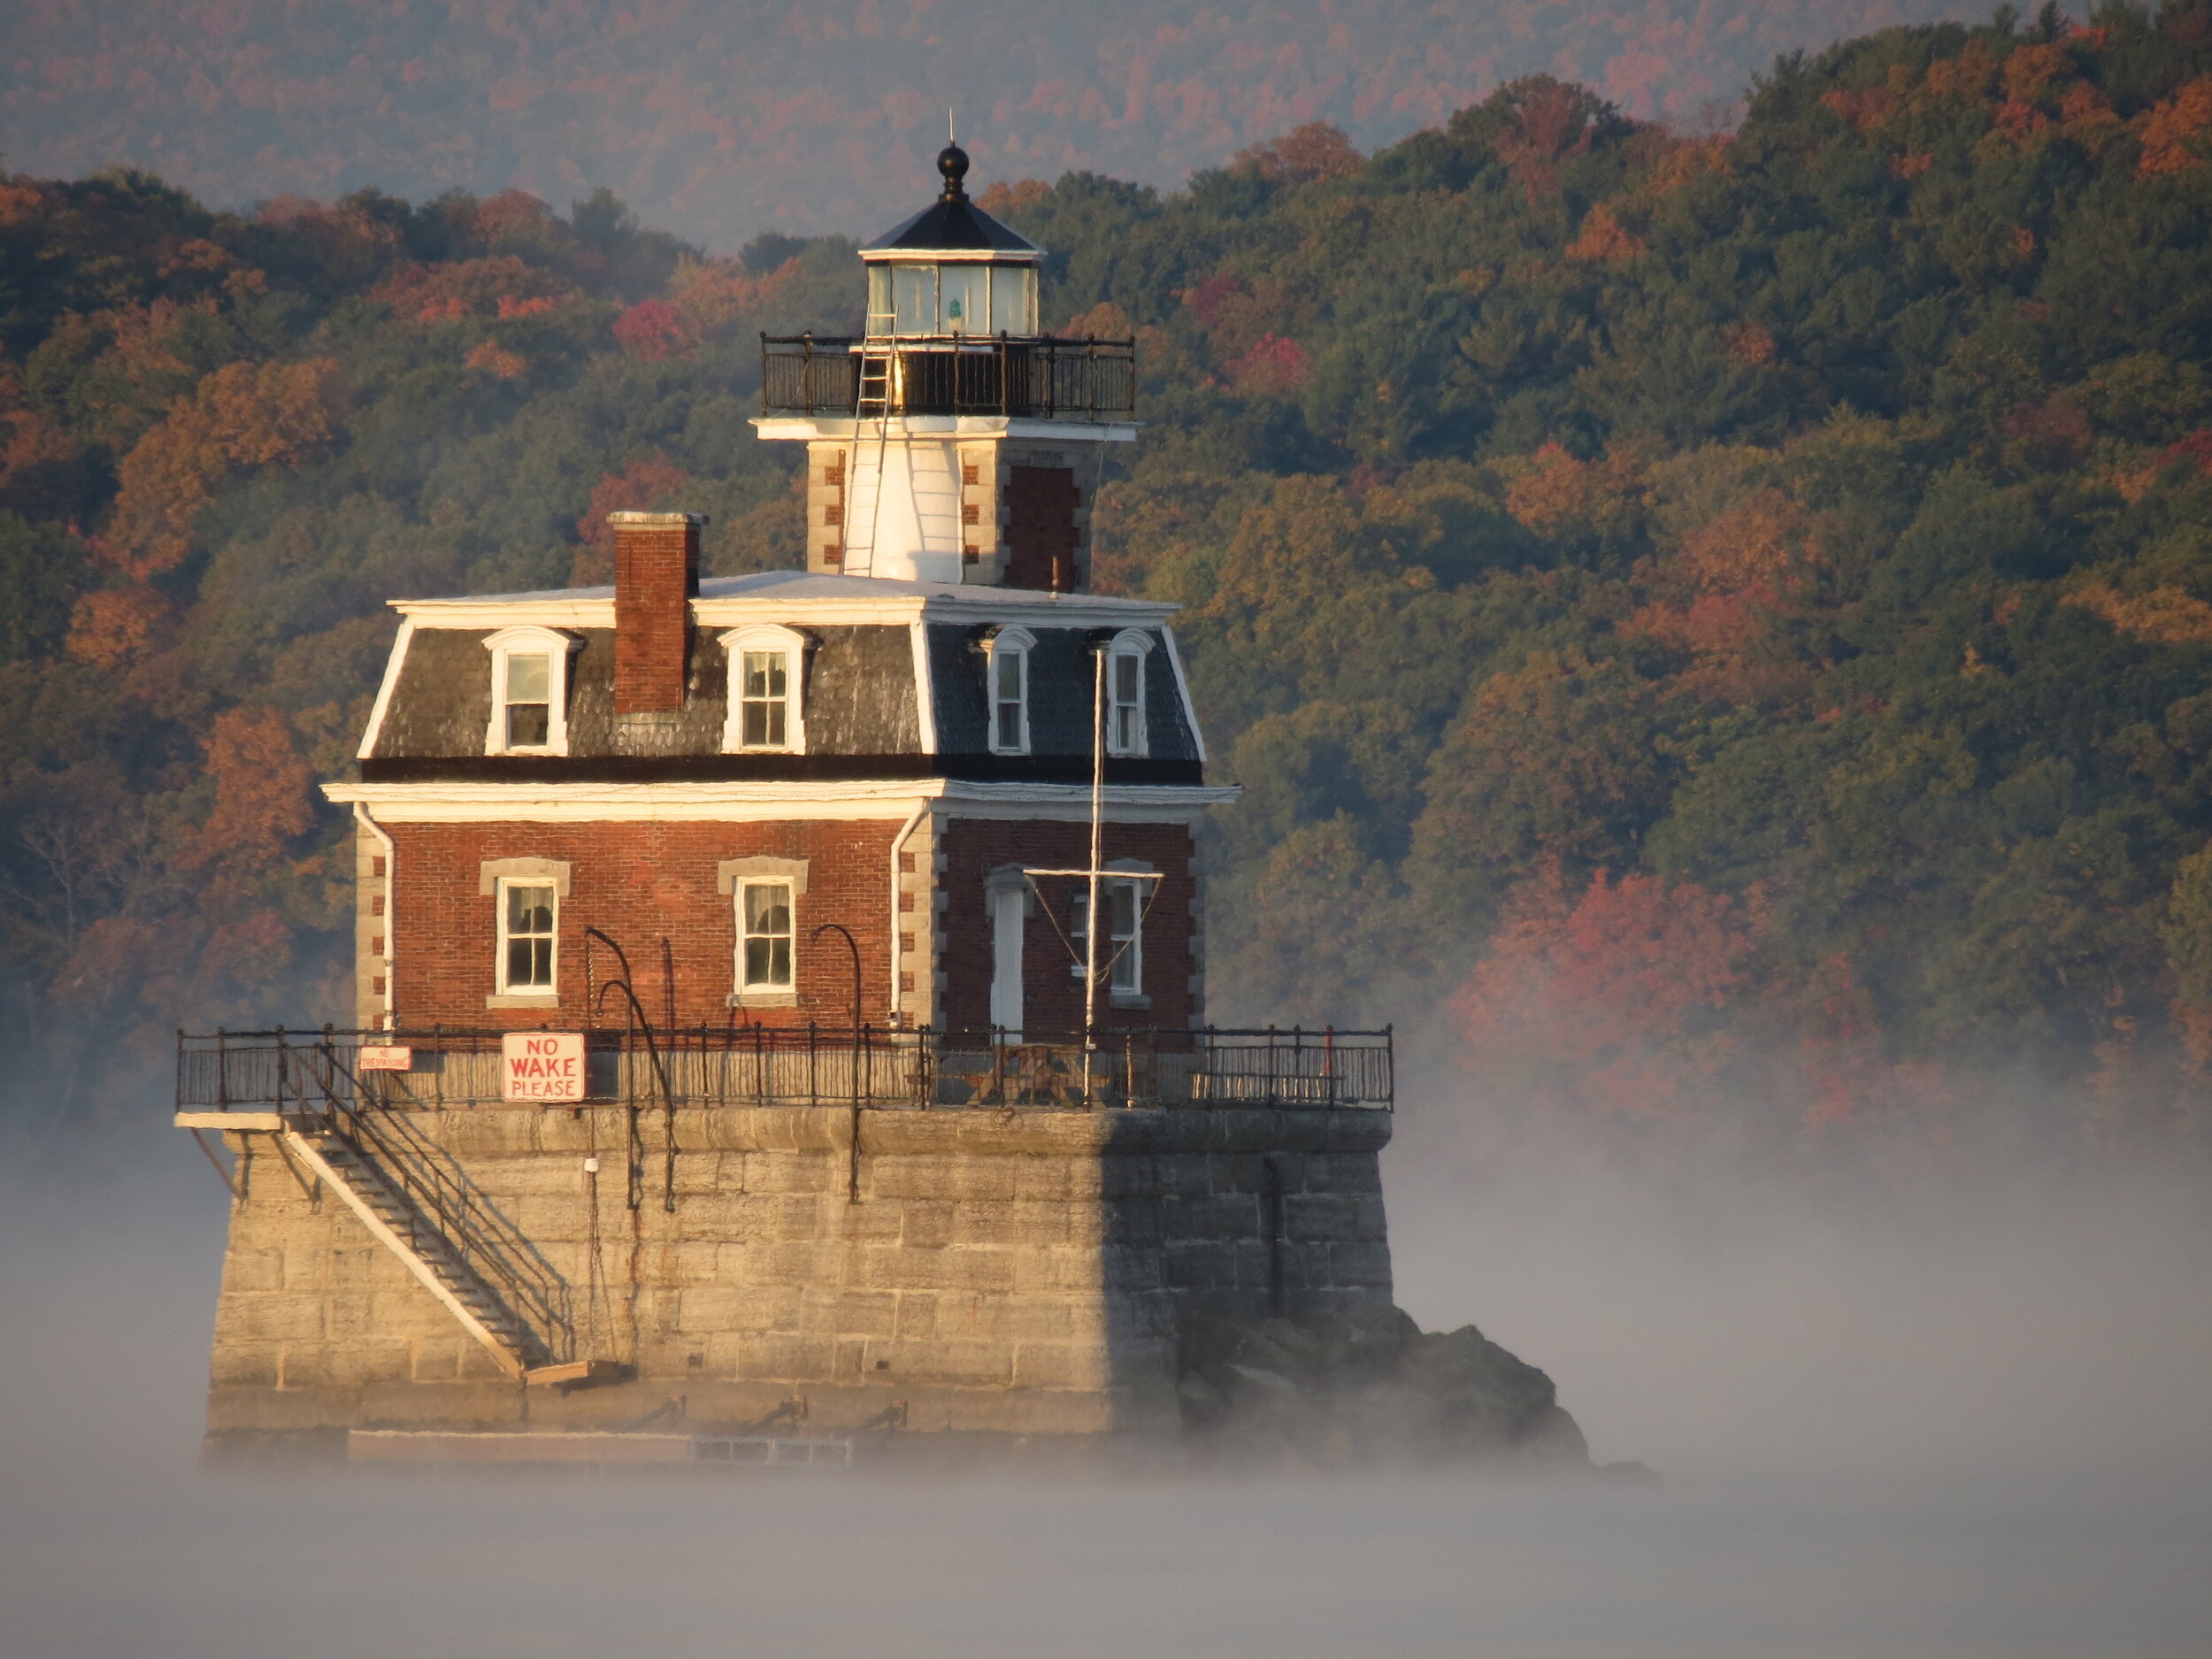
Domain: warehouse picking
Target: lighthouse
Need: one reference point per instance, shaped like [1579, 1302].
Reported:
[953, 440]
[779, 998]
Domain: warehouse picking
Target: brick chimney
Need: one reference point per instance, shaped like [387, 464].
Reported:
[656, 578]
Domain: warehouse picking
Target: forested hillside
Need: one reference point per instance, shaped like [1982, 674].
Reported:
[727, 118]
[1729, 617]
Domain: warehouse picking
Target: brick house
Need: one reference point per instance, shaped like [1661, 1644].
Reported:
[773, 777]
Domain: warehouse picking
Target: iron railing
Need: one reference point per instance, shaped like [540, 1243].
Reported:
[868, 1066]
[1038, 379]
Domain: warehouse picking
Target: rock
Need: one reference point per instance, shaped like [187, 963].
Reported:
[1336, 1393]
[1266, 1382]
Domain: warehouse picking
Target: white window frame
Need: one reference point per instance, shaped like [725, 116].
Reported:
[765, 637]
[732, 877]
[555, 648]
[549, 991]
[1015, 643]
[747, 987]
[1130, 643]
[1124, 974]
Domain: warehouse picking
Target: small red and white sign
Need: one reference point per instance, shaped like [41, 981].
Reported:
[543, 1065]
[384, 1057]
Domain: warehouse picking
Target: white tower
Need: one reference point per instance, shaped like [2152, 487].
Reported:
[952, 441]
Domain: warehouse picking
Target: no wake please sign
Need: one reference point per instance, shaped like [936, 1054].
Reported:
[543, 1065]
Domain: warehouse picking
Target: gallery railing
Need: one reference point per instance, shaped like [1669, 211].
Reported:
[804, 1065]
[1036, 379]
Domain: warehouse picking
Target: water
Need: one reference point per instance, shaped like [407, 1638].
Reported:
[1967, 1427]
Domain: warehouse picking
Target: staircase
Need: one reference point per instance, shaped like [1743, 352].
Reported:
[427, 1254]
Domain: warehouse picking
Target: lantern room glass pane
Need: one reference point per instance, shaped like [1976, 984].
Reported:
[914, 299]
[1013, 299]
[965, 298]
[879, 299]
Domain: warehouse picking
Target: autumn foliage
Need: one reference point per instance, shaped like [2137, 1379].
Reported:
[1619, 1000]
[1723, 621]
[243, 416]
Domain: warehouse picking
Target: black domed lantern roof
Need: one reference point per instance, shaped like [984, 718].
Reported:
[952, 223]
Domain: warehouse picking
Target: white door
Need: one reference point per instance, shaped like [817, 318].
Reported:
[1007, 905]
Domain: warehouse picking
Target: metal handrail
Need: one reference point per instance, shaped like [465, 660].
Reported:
[1039, 377]
[444, 1210]
[837, 1066]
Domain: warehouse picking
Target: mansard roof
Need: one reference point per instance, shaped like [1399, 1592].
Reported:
[895, 687]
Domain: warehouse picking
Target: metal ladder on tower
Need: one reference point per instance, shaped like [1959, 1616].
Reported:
[875, 393]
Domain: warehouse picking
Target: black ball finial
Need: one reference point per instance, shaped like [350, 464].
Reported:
[952, 161]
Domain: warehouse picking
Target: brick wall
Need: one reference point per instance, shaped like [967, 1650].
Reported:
[969, 850]
[639, 883]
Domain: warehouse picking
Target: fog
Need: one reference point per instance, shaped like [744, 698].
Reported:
[1959, 1415]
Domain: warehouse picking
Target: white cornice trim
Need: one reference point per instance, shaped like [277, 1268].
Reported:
[924, 685]
[973, 606]
[1182, 690]
[552, 612]
[711, 803]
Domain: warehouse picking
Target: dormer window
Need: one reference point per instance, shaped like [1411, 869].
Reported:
[767, 679]
[1126, 733]
[529, 699]
[764, 719]
[529, 691]
[1007, 676]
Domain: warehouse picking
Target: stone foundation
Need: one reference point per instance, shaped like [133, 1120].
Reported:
[1003, 1273]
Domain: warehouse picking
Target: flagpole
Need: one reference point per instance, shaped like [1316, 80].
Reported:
[1090, 914]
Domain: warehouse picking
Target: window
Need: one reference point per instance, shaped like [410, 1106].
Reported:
[956, 296]
[529, 691]
[965, 298]
[529, 699]
[764, 707]
[914, 299]
[765, 893]
[1007, 676]
[528, 911]
[1123, 900]
[1013, 299]
[1125, 693]
[767, 672]
[763, 936]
